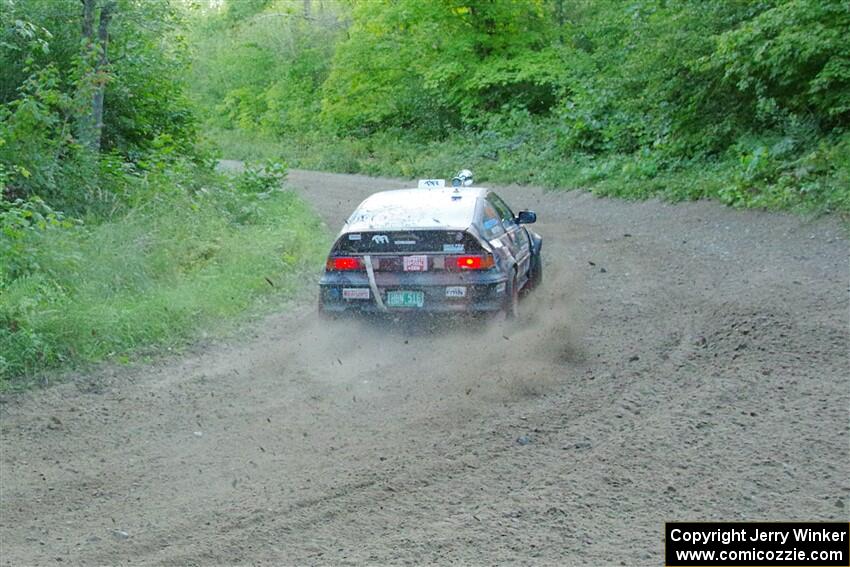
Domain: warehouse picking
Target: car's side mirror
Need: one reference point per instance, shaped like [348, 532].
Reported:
[526, 217]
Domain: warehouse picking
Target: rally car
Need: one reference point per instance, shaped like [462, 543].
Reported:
[434, 249]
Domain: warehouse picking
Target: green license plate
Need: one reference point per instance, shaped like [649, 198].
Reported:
[405, 298]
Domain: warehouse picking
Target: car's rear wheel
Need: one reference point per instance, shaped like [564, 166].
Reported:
[512, 299]
[535, 273]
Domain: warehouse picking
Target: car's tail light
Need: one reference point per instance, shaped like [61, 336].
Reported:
[470, 262]
[342, 263]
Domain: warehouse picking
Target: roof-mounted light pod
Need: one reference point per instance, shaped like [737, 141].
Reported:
[463, 178]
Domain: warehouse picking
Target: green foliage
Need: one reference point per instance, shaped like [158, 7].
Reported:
[793, 59]
[167, 246]
[146, 91]
[433, 65]
[176, 263]
[258, 65]
[237, 11]
[521, 150]
[47, 92]
[631, 99]
[23, 225]
[262, 178]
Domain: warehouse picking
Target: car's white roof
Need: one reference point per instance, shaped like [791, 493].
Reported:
[412, 209]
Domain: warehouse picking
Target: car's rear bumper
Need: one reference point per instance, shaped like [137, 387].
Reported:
[482, 292]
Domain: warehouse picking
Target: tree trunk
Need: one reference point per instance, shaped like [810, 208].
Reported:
[91, 121]
[88, 20]
[100, 74]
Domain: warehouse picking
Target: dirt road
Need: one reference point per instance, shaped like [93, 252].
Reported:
[681, 362]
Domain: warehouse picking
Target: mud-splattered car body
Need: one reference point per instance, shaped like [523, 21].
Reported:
[434, 250]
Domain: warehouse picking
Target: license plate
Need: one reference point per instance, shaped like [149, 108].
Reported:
[405, 298]
[416, 263]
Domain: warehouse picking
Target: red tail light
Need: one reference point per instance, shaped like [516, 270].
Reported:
[344, 263]
[478, 262]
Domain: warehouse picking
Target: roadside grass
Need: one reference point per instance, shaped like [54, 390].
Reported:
[776, 173]
[172, 268]
[242, 145]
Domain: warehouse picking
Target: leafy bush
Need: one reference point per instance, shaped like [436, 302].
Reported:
[792, 59]
[23, 225]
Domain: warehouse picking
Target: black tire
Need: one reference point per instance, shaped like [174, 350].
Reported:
[512, 299]
[535, 272]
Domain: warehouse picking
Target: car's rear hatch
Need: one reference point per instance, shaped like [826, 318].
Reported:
[434, 269]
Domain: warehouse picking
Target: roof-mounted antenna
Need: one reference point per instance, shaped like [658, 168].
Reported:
[463, 178]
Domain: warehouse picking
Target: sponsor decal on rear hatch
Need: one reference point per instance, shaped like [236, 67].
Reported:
[356, 293]
[456, 291]
[417, 263]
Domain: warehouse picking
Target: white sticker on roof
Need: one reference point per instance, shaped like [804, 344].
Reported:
[431, 183]
[354, 237]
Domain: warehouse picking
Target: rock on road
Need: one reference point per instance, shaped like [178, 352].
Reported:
[681, 362]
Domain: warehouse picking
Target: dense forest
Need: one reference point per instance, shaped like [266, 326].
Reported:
[118, 235]
[744, 102]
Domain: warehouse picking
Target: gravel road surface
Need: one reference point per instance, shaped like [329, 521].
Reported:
[681, 362]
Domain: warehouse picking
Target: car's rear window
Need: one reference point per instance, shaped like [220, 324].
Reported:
[442, 241]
